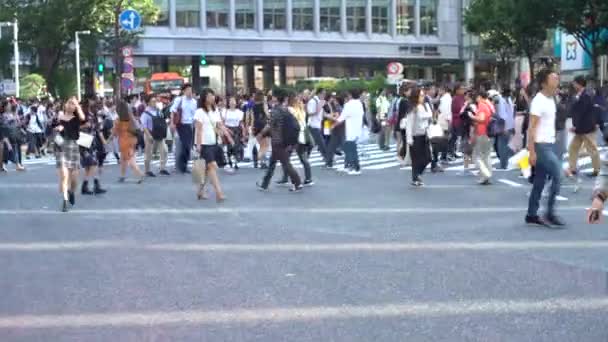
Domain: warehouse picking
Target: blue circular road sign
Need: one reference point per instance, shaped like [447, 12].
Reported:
[127, 83]
[130, 20]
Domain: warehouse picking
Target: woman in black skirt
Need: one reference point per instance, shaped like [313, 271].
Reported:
[234, 120]
[207, 128]
[89, 155]
[67, 152]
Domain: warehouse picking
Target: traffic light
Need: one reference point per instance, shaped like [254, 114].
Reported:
[100, 67]
[203, 60]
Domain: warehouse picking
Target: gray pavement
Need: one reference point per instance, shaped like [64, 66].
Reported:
[351, 259]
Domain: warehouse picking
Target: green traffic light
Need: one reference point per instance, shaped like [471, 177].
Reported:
[203, 60]
[100, 68]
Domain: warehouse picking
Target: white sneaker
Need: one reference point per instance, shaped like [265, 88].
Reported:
[341, 169]
[354, 173]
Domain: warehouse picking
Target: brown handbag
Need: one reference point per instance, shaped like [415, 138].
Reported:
[177, 116]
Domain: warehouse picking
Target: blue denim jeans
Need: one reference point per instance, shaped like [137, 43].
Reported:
[351, 158]
[503, 149]
[547, 165]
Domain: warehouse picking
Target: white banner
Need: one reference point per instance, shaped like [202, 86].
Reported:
[573, 54]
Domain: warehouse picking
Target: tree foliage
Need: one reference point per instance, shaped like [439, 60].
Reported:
[510, 28]
[48, 26]
[32, 86]
[587, 21]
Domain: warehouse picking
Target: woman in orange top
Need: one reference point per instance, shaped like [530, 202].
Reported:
[124, 129]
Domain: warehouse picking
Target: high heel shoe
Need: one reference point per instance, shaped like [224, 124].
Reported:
[64, 208]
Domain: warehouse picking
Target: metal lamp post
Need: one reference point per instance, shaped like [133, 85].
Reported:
[77, 45]
[15, 25]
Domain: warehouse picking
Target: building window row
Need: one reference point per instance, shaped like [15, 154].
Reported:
[187, 14]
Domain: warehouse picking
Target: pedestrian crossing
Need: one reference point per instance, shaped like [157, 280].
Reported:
[371, 157]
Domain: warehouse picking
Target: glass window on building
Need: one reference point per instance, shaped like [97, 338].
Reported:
[303, 11]
[406, 17]
[245, 14]
[355, 15]
[274, 14]
[187, 13]
[428, 17]
[163, 12]
[330, 15]
[217, 13]
[380, 15]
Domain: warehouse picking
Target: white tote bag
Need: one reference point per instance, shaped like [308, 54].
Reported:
[85, 140]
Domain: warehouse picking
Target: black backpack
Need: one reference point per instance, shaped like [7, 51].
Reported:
[291, 130]
[159, 126]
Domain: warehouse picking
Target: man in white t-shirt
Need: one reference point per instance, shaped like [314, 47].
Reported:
[314, 109]
[352, 116]
[541, 141]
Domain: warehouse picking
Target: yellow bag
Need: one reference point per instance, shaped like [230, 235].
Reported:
[198, 171]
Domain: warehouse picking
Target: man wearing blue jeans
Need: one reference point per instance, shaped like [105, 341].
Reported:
[541, 144]
[352, 116]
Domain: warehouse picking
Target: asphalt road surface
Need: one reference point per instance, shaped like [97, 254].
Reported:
[354, 258]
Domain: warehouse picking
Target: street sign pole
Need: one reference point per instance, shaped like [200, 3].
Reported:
[17, 57]
[77, 43]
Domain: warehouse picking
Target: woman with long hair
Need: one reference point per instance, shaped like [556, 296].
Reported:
[126, 131]
[260, 119]
[67, 151]
[417, 124]
[89, 156]
[207, 129]
[15, 134]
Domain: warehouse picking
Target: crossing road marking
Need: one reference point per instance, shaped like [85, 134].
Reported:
[510, 183]
[300, 248]
[285, 210]
[303, 314]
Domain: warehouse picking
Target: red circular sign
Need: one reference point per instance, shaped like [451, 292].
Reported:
[394, 68]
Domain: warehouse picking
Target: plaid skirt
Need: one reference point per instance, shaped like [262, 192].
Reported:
[68, 155]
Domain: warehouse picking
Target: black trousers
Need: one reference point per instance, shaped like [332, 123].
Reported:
[185, 137]
[421, 155]
[302, 151]
[281, 154]
[335, 141]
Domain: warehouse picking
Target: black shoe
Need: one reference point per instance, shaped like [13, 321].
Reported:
[150, 174]
[263, 166]
[165, 173]
[187, 172]
[260, 187]
[85, 189]
[309, 182]
[282, 182]
[97, 188]
[64, 207]
[339, 153]
[537, 221]
[556, 222]
[593, 174]
[71, 197]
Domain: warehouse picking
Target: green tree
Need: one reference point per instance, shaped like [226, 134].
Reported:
[48, 27]
[587, 21]
[486, 19]
[32, 86]
[511, 28]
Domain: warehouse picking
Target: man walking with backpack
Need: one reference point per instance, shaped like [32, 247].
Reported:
[284, 131]
[155, 131]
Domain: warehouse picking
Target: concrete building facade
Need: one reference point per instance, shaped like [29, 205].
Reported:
[248, 42]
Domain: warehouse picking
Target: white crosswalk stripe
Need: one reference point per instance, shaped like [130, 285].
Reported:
[370, 158]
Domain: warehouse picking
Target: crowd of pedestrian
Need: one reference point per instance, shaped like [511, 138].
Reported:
[430, 124]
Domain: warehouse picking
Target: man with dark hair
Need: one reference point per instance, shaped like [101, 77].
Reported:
[182, 116]
[282, 128]
[314, 109]
[352, 116]
[541, 144]
[584, 121]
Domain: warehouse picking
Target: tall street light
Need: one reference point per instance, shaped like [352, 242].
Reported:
[15, 25]
[78, 59]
